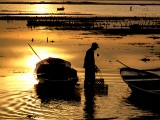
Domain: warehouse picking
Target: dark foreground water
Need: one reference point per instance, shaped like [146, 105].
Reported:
[23, 100]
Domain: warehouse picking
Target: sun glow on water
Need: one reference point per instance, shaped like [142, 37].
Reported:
[41, 8]
[45, 52]
[44, 8]
[29, 79]
[32, 60]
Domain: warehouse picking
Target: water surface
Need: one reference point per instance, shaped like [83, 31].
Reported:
[21, 96]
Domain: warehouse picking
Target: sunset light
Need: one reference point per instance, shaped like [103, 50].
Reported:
[42, 8]
[79, 59]
[42, 54]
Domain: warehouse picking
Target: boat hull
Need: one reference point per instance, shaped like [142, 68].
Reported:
[141, 82]
[60, 9]
[56, 71]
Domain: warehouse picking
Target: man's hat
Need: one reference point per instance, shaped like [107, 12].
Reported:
[95, 45]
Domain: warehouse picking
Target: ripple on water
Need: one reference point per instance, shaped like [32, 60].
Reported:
[28, 104]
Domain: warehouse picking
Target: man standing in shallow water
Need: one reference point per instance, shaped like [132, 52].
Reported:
[89, 65]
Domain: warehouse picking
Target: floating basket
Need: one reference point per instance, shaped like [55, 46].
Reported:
[100, 87]
[99, 81]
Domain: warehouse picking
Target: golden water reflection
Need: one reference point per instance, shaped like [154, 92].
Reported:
[40, 53]
[24, 57]
[45, 8]
[41, 8]
[19, 80]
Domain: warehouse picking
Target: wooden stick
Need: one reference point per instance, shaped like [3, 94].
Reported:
[156, 69]
[123, 64]
[34, 51]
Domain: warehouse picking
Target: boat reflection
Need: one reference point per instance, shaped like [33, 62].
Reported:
[147, 103]
[48, 93]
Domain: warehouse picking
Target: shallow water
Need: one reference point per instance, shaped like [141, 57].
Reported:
[19, 97]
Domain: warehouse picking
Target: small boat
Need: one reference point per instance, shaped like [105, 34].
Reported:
[55, 71]
[141, 81]
[60, 9]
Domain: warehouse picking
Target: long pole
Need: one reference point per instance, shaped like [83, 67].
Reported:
[34, 51]
[123, 64]
[156, 69]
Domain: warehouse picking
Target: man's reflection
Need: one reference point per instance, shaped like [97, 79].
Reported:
[89, 105]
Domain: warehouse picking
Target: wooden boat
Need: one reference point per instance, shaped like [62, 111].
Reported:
[60, 9]
[141, 82]
[55, 71]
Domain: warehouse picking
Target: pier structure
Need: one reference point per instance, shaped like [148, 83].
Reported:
[96, 22]
[105, 23]
[134, 24]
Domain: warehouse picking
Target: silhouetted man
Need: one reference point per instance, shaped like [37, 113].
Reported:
[89, 65]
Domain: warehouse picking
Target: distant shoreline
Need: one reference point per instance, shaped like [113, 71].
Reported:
[80, 3]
